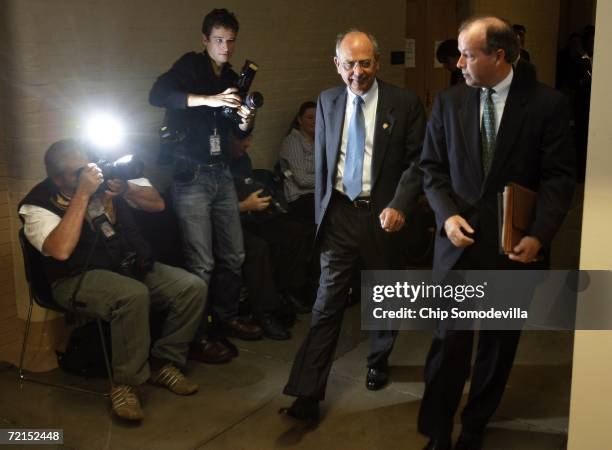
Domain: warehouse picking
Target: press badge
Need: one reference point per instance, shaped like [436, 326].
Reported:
[215, 144]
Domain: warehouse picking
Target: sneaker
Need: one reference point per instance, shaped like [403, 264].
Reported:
[125, 403]
[172, 378]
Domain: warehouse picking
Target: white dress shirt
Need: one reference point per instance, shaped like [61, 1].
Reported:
[370, 100]
[499, 98]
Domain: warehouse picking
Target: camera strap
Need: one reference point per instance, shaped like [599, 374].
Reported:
[98, 217]
[73, 301]
[215, 139]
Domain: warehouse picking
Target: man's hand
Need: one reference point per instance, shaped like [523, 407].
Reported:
[526, 251]
[226, 98]
[455, 228]
[90, 179]
[116, 187]
[254, 202]
[248, 116]
[391, 220]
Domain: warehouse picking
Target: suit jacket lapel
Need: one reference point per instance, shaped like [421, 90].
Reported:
[469, 116]
[509, 128]
[385, 120]
[336, 123]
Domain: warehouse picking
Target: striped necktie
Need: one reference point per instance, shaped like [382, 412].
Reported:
[487, 130]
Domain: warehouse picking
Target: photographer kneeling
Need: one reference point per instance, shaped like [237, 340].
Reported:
[98, 265]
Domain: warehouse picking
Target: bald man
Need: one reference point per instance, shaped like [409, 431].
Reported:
[501, 126]
[367, 142]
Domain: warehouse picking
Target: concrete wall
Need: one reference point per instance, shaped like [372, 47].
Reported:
[68, 58]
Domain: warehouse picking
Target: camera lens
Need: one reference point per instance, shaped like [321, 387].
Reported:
[254, 100]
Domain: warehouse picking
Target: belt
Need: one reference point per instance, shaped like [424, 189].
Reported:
[359, 202]
[205, 166]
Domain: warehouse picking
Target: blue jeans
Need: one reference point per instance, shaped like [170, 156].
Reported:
[208, 215]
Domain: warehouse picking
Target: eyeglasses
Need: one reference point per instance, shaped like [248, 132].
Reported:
[364, 64]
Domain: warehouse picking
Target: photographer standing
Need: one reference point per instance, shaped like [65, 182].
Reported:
[194, 92]
[98, 265]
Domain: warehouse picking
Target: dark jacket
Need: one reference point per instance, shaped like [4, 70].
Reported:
[193, 74]
[532, 149]
[107, 253]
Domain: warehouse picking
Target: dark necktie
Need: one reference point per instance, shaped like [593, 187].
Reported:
[355, 148]
[487, 130]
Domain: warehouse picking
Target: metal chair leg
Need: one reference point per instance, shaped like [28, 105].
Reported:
[25, 343]
[106, 359]
[22, 376]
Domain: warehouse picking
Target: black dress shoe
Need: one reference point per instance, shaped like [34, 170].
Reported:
[303, 409]
[209, 352]
[272, 329]
[469, 442]
[439, 444]
[377, 378]
[242, 329]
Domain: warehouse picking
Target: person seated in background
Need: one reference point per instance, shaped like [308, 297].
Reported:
[265, 222]
[297, 164]
[98, 265]
[448, 54]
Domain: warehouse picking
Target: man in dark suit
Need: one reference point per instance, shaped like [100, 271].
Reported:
[367, 143]
[501, 126]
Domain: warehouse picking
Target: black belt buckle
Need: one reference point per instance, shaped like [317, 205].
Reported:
[217, 165]
[362, 203]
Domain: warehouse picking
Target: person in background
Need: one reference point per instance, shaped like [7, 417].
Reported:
[196, 88]
[521, 31]
[276, 263]
[447, 54]
[297, 164]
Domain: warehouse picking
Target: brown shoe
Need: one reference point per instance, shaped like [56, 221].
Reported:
[209, 352]
[172, 378]
[242, 329]
[125, 403]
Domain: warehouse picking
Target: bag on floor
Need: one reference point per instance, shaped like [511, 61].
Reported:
[84, 355]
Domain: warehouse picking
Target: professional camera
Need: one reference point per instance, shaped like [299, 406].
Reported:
[252, 100]
[125, 168]
[252, 185]
[135, 266]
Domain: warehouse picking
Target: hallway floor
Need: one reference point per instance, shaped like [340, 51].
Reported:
[236, 407]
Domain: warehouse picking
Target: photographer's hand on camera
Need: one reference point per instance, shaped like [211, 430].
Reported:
[226, 98]
[116, 187]
[144, 198]
[248, 117]
[90, 179]
[254, 202]
[61, 242]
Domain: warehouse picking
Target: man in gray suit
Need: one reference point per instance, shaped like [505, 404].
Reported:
[367, 143]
